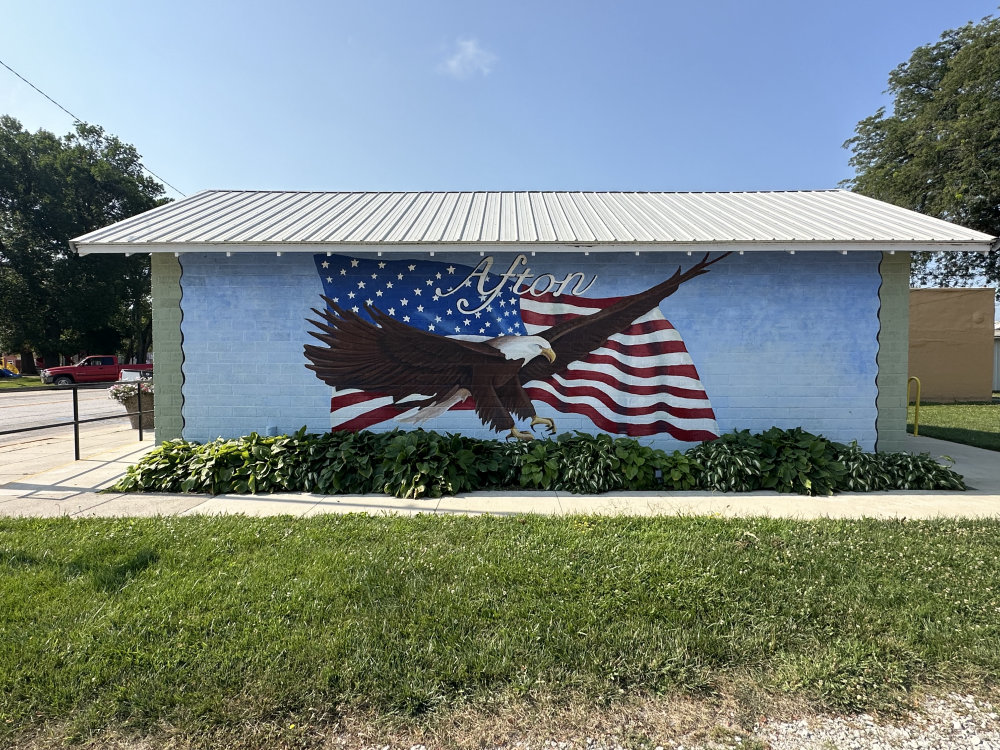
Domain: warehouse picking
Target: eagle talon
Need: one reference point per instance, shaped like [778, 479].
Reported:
[550, 425]
[516, 433]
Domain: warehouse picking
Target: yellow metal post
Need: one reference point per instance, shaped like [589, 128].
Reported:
[916, 408]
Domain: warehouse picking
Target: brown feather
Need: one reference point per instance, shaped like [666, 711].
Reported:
[399, 360]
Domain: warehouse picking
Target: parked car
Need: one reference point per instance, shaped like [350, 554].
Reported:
[101, 368]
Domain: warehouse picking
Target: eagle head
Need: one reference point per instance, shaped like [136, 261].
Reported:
[523, 347]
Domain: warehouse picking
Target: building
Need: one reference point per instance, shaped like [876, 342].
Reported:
[791, 309]
[951, 343]
[996, 356]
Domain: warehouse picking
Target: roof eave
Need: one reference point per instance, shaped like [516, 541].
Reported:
[129, 248]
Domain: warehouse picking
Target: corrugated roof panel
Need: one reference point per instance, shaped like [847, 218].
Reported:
[525, 218]
[401, 223]
[317, 222]
[827, 221]
[142, 223]
[543, 221]
[884, 216]
[202, 223]
[414, 222]
[379, 224]
[578, 225]
[508, 228]
[651, 215]
[568, 218]
[207, 224]
[472, 228]
[427, 216]
[288, 223]
[787, 219]
[585, 204]
[490, 228]
[629, 216]
[267, 214]
[158, 223]
[455, 228]
[677, 221]
[557, 216]
[742, 221]
[862, 224]
[347, 227]
[609, 218]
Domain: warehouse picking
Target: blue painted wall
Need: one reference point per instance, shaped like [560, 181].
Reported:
[777, 339]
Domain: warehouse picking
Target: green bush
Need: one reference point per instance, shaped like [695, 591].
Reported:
[676, 471]
[340, 462]
[781, 460]
[876, 472]
[421, 464]
[728, 465]
[587, 464]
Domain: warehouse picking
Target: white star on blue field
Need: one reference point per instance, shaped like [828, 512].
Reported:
[407, 291]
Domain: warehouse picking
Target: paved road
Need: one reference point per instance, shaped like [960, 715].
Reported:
[19, 409]
[25, 453]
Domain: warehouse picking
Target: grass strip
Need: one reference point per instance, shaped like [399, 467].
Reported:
[25, 381]
[970, 424]
[200, 623]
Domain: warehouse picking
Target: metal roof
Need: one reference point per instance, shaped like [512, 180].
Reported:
[218, 220]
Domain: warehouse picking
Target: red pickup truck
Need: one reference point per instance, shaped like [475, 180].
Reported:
[96, 369]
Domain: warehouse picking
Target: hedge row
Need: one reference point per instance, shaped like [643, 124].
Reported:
[419, 464]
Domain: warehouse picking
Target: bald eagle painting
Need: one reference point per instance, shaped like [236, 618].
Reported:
[420, 374]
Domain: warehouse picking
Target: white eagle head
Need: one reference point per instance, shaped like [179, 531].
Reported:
[523, 347]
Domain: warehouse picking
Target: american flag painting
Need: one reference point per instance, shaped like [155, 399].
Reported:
[641, 381]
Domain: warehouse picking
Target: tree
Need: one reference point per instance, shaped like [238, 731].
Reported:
[939, 151]
[52, 301]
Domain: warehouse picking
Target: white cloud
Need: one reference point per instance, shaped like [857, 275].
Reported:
[469, 59]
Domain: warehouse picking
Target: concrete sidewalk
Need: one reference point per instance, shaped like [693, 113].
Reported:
[72, 490]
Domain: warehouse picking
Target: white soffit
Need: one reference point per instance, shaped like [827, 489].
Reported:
[225, 220]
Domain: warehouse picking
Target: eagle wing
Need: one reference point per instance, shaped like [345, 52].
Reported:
[574, 339]
[396, 359]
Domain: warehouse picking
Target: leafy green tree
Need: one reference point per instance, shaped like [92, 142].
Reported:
[52, 301]
[939, 151]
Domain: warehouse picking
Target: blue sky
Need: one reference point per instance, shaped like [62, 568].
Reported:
[414, 95]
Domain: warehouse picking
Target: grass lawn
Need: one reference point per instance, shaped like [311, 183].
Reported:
[25, 381]
[971, 424]
[205, 626]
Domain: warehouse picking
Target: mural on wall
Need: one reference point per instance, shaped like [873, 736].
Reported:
[409, 340]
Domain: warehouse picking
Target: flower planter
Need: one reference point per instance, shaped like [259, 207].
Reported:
[132, 407]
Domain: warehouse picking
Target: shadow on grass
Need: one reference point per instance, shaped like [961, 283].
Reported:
[108, 573]
[17, 558]
[112, 575]
[975, 438]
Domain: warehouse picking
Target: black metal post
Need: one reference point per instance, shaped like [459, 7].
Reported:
[76, 424]
[138, 393]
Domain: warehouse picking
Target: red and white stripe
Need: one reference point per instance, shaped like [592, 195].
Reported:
[352, 410]
[641, 381]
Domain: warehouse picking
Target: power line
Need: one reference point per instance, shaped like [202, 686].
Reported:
[78, 120]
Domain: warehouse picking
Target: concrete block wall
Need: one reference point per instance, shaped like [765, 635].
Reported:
[788, 341]
[893, 350]
[244, 329]
[168, 351]
[778, 339]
